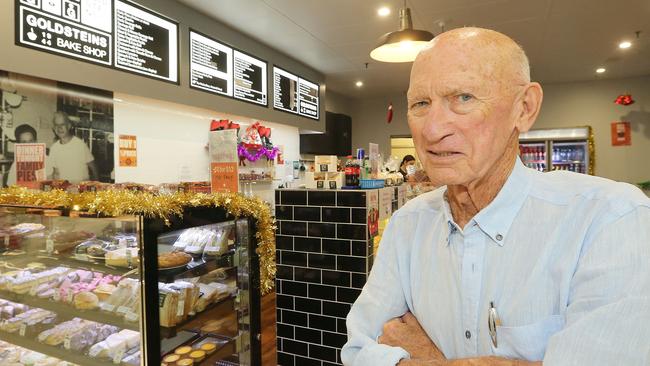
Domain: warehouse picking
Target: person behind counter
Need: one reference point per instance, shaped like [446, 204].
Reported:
[70, 156]
[406, 161]
[502, 265]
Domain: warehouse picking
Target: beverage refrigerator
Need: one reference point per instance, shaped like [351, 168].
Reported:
[558, 149]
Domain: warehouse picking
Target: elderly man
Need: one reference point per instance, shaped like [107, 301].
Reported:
[504, 265]
[70, 156]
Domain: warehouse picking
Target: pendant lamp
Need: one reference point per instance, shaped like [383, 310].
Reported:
[402, 45]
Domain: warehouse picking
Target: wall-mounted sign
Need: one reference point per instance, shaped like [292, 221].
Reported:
[145, 43]
[211, 65]
[308, 98]
[113, 33]
[128, 151]
[80, 29]
[250, 78]
[621, 134]
[285, 90]
[294, 94]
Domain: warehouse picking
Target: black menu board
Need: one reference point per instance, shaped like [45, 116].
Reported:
[77, 29]
[285, 90]
[250, 78]
[211, 65]
[308, 98]
[145, 43]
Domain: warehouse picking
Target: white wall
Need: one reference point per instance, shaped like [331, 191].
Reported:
[172, 140]
[565, 105]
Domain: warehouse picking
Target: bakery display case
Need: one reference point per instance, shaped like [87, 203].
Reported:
[128, 290]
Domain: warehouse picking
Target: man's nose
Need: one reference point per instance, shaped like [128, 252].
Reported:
[438, 122]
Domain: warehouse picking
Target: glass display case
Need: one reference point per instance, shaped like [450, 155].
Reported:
[131, 290]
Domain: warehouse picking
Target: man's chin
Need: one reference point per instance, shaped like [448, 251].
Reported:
[446, 176]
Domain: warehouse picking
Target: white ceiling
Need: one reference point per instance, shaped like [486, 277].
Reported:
[566, 40]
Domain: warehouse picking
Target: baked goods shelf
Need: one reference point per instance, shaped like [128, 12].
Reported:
[68, 311]
[60, 353]
[197, 267]
[72, 262]
[168, 332]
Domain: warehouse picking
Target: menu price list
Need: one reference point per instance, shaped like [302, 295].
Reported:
[285, 90]
[308, 98]
[210, 65]
[145, 43]
[250, 78]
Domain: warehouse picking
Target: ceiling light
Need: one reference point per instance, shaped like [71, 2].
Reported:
[625, 44]
[359, 84]
[404, 44]
[383, 11]
[601, 70]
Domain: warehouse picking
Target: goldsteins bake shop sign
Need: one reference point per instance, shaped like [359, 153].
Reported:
[91, 30]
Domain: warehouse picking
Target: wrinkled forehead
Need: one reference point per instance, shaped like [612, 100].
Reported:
[462, 64]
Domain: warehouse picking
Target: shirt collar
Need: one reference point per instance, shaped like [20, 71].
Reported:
[495, 219]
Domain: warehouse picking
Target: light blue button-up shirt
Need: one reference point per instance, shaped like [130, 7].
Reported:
[565, 258]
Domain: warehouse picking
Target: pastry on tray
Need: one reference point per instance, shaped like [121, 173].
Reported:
[173, 259]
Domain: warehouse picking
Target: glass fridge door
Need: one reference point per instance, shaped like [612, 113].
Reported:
[570, 155]
[533, 155]
[197, 295]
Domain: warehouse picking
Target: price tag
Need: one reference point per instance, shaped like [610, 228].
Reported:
[49, 246]
[131, 316]
[66, 343]
[23, 330]
[57, 295]
[118, 356]
[129, 261]
[108, 307]
[122, 310]
[181, 308]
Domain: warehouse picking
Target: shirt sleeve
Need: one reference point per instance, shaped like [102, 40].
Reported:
[608, 315]
[381, 299]
[88, 156]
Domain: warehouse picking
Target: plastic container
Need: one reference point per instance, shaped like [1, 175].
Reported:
[371, 183]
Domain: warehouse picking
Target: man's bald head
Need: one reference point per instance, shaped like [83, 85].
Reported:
[500, 56]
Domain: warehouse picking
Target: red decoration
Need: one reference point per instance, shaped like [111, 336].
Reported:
[624, 99]
[389, 116]
[223, 124]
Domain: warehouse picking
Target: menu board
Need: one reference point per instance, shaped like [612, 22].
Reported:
[211, 65]
[285, 90]
[250, 78]
[294, 94]
[145, 43]
[78, 29]
[308, 98]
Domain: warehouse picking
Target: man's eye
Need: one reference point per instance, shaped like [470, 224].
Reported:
[418, 104]
[464, 97]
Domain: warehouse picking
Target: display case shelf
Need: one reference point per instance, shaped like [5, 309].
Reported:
[198, 267]
[58, 352]
[62, 309]
[168, 332]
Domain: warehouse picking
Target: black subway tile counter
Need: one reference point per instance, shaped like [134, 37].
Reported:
[324, 252]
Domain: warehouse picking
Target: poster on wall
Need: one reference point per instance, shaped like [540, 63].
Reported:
[308, 98]
[29, 165]
[146, 43]
[372, 204]
[250, 78]
[224, 174]
[211, 65]
[621, 134]
[77, 29]
[75, 123]
[128, 151]
[285, 90]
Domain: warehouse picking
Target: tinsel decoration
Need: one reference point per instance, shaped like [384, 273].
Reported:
[257, 154]
[114, 203]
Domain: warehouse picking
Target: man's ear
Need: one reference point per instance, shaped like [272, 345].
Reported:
[531, 103]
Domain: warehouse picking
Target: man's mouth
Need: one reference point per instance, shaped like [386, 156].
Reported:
[443, 154]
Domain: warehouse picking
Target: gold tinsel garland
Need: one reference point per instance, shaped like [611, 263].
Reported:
[121, 202]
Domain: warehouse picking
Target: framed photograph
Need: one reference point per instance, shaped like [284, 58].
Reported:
[332, 184]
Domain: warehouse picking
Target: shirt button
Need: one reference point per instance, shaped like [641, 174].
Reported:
[468, 335]
[499, 237]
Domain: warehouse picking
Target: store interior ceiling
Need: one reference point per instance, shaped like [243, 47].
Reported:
[566, 40]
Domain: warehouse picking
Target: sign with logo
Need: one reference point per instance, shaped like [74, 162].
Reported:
[621, 134]
[128, 151]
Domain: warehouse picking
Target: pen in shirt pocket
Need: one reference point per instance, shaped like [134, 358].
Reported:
[493, 322]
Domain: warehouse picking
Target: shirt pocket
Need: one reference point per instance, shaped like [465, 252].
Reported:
[527, 342]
